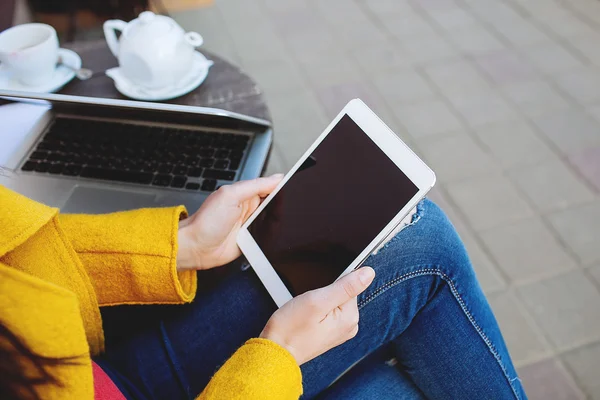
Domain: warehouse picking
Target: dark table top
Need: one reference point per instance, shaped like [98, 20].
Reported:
[226, 87]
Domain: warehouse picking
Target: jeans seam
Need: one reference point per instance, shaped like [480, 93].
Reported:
[462, 304]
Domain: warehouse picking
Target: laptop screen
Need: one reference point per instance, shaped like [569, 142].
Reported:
[142, 111]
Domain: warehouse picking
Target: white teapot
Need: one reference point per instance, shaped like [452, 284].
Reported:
[153, 50]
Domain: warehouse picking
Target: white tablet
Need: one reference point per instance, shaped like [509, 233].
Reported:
[350, 189]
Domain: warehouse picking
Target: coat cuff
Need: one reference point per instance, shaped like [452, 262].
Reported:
[131, 256]
[260, 369]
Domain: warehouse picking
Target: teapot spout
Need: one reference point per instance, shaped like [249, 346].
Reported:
[194, 39]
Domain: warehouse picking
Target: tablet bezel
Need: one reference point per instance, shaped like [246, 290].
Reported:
[391, 145]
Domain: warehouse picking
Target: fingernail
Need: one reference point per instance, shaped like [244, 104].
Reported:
[278, 176]
[366, 275]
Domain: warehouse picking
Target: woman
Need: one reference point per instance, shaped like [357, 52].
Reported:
[425, 329]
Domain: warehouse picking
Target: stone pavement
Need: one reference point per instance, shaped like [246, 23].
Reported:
[502, 99]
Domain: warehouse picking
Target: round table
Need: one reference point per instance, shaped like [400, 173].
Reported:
[226, 86]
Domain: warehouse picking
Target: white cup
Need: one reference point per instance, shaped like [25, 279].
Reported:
[30, 52]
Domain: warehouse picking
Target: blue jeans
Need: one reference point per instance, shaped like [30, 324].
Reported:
[426, 330]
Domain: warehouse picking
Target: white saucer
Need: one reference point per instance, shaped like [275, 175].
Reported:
[197, 74]
[62, 75]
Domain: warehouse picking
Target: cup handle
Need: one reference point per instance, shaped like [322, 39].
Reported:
[110, 27]
[194, 39]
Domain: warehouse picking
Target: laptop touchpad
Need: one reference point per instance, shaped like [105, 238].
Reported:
[100, 201]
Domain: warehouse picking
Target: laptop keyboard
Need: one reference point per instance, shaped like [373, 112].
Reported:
[140, 154]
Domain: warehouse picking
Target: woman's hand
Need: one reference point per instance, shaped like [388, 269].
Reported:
[319, 320]
[207, 239]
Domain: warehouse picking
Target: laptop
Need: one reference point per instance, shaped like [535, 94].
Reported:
[96, 155]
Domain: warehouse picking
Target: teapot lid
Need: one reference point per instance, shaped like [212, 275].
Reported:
[157, 23]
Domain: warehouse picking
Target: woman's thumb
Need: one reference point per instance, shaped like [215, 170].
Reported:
[350, 286]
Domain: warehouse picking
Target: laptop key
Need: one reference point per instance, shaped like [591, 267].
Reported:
[178, 181]
[209, 185]
[218, 174]
[221, 164]
[117, 175]
[38, 155]
[192, 186]
[195, 172]
[56, 168]
[162, 180]
[206, 162]
[42, 167]
[29, 166]
[72, 170]
[180, 170]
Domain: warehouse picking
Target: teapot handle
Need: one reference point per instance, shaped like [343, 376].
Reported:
[194, 39]
[110, 27]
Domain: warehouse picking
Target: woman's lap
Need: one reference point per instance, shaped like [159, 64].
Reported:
[425, 304]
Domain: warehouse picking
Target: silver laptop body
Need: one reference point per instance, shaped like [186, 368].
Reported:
[85, 194]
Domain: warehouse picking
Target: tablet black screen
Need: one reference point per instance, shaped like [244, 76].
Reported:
[343, 196]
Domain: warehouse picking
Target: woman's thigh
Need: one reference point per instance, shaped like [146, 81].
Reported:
[426, 302]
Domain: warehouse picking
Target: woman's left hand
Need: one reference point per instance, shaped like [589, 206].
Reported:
[207, 239]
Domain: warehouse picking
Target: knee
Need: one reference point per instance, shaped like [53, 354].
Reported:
[431, 241]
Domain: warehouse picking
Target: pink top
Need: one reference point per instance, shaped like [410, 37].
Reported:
[104, 387]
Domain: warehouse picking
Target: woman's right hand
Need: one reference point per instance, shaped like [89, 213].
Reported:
[319, 320]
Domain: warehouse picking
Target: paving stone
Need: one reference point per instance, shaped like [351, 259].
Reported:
[489, 201]
[457, 76]
[406, 26]
[335, 97]
[550, 58]
[588, 46]
[539, 8]
[571, 130]
[435, 5]
[312, 43]
[295, 20]
[525, 344]
[535, 98]
[564, 25]
[514, 143]
[403, 86]
[277, 164]
[382, 57]
[385, 8]
[427, 118]
[579, 227]
[550, 185]
[588, 165]
[506, 66]
[487, 273]
[491, 11]
[482, 108]
[330, 69]
[276, 76]
[595, 272]
[456, 156]
[518, 31]
[527, 251]
[453, 18]
[594, 111]
[548, 380]
[351, 38]
[425, 50]
[583, 85]
[474, 39]
[583, 363]
[566, 308]
[297, 120]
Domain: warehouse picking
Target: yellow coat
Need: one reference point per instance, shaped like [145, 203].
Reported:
[57, 270]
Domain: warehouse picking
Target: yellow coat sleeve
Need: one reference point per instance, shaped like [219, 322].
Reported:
[131, 256]
[260, 369]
